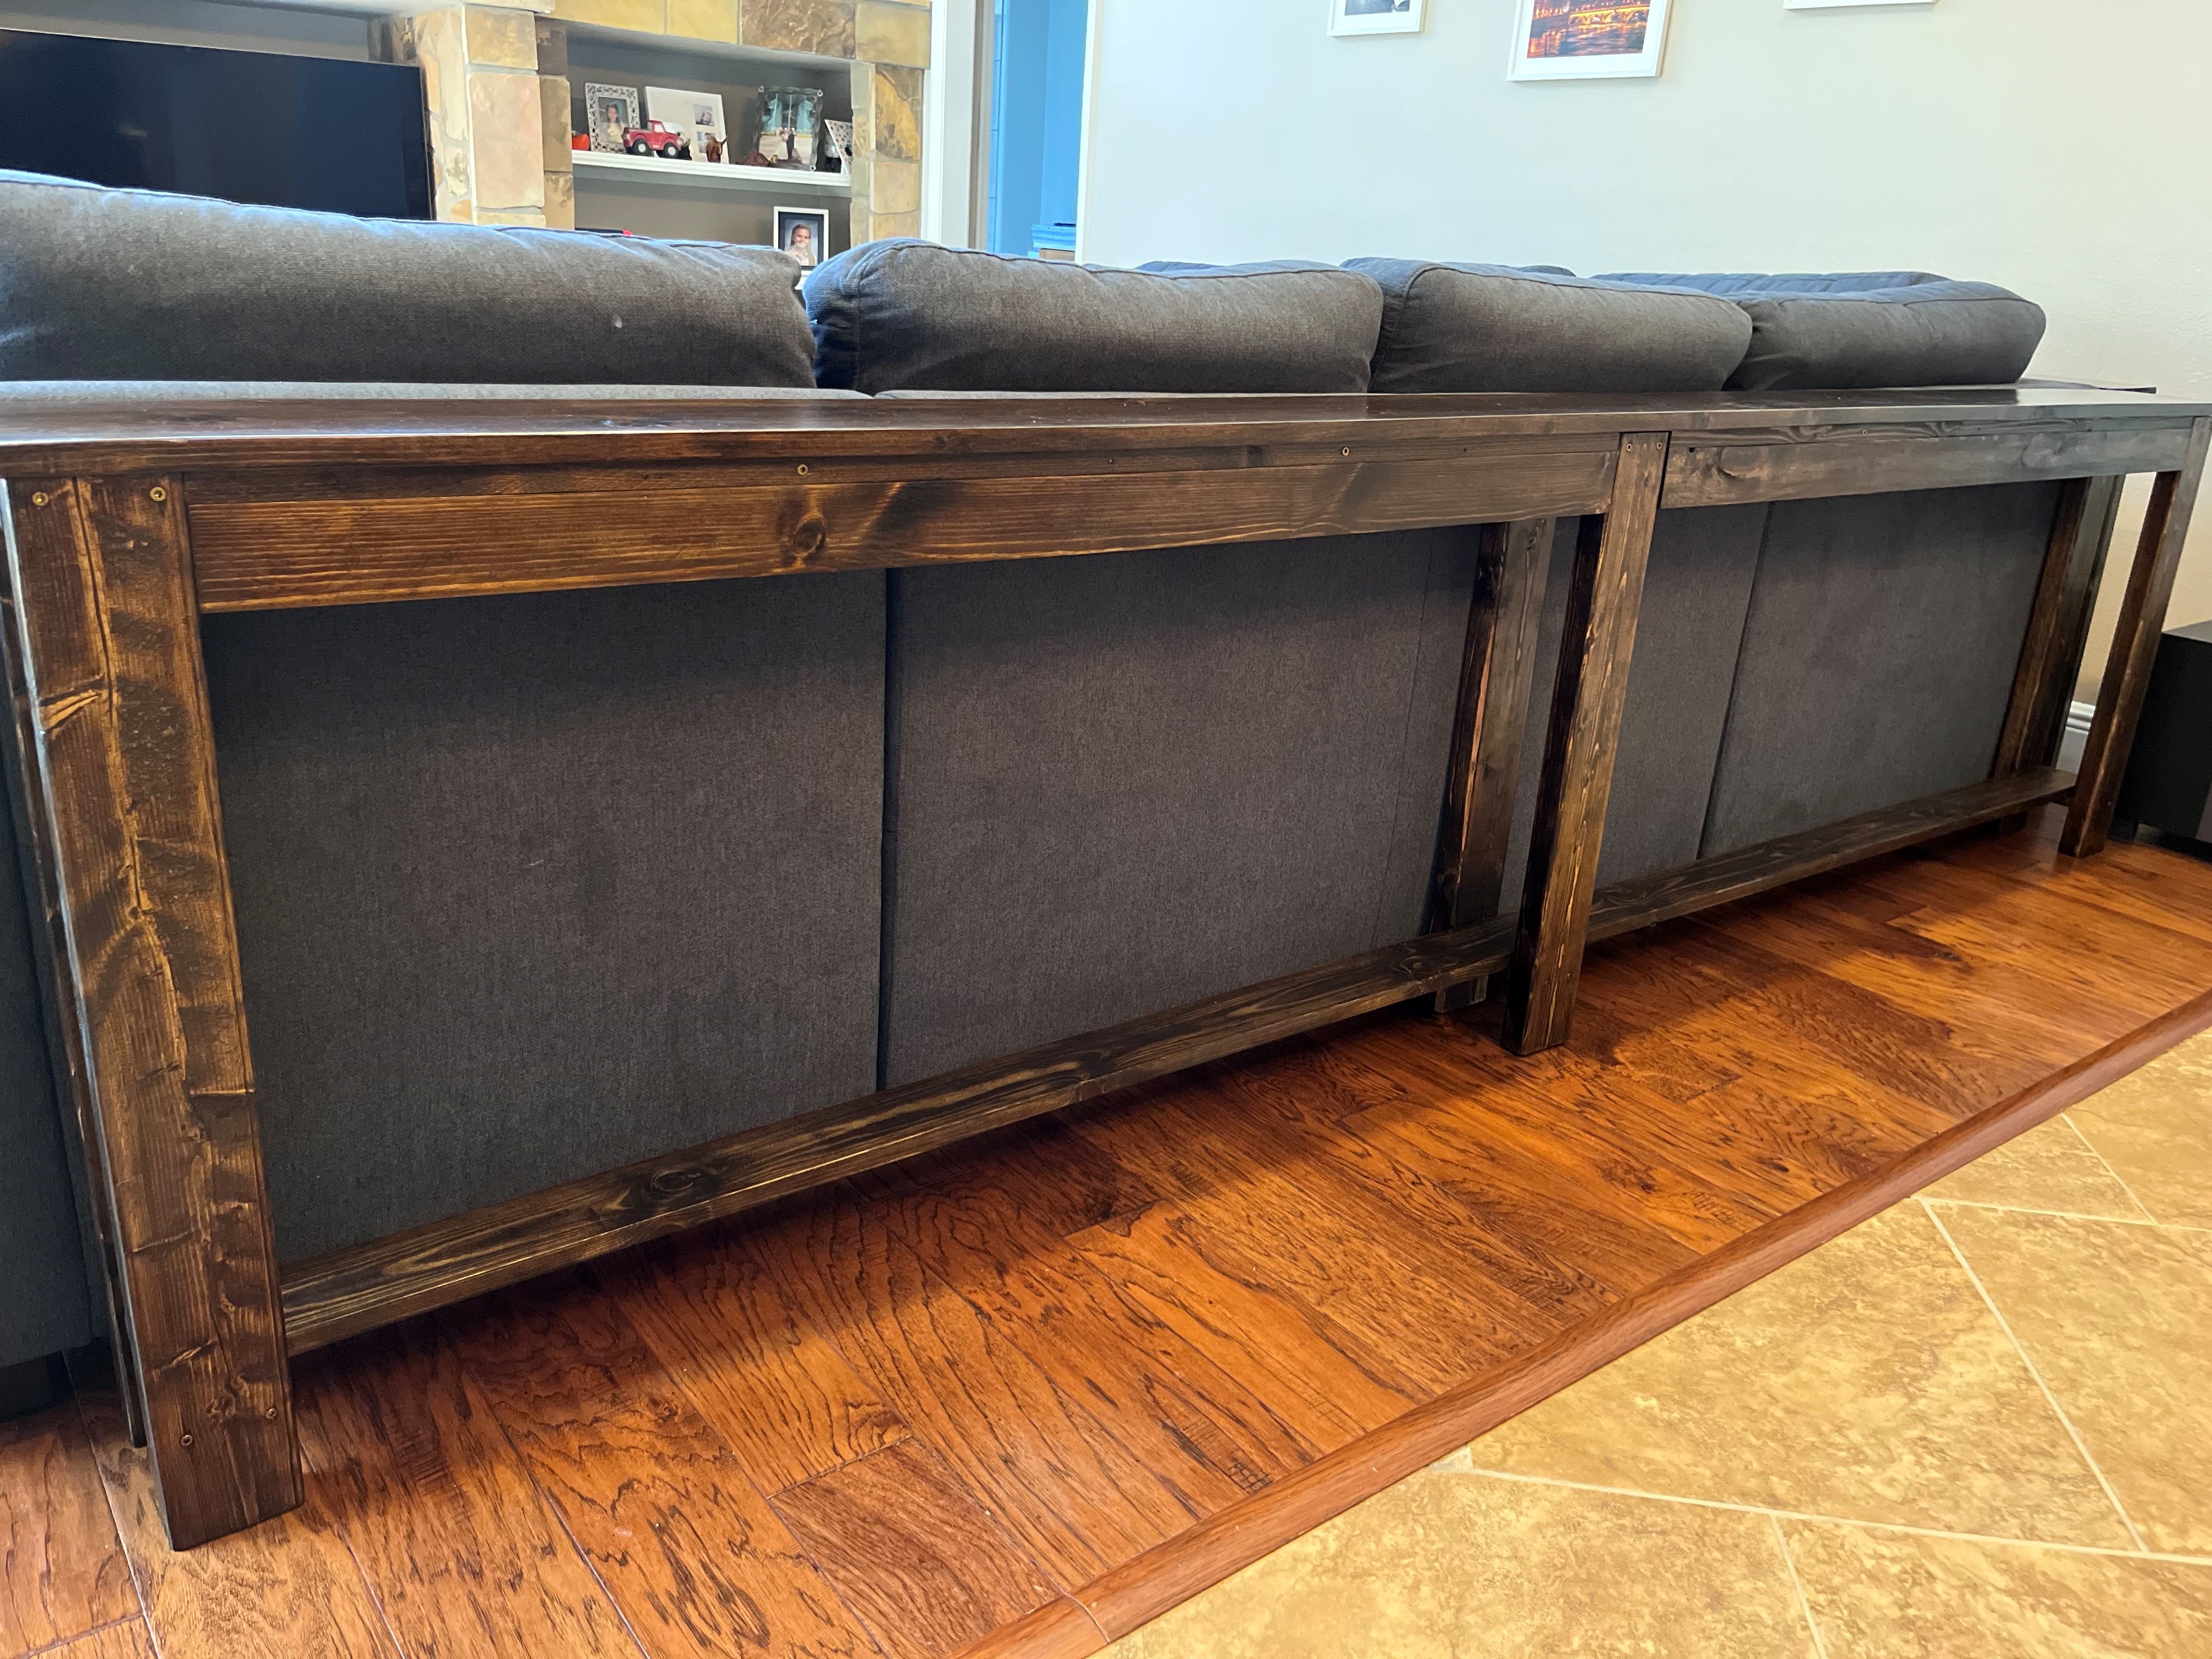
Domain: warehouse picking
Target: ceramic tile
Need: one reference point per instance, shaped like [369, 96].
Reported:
[824, 27]
[1868, 1381]
[2118, 1320]
[2155, 1128]
[2050, 1168]
[1457, 1566]
[1896, 1595]
[893, 34]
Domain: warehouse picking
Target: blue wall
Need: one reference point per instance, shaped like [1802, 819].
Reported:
[1036, 118]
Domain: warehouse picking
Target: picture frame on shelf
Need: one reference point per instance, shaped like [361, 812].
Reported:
[1376, 16]
[804, 234]
[609, 110]
[697, 115]
[839, 137]
[1590, 39]
[791, 126]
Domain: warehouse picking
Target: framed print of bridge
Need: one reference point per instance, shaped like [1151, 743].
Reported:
[1583, 39]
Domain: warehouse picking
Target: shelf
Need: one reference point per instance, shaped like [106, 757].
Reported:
[711, 174]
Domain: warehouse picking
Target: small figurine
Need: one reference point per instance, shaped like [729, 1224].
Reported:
[656, 139]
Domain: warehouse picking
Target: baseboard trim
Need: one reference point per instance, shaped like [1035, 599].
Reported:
[1140, 1590]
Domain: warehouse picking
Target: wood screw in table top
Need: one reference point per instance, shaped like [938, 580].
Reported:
[158, 493]
[39, 499]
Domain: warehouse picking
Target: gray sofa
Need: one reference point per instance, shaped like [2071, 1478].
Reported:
[710, 856]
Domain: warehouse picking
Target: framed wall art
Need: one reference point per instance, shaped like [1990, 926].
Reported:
[1589, 40]
[1375, 16]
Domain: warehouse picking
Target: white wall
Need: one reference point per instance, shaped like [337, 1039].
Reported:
[2062, 148]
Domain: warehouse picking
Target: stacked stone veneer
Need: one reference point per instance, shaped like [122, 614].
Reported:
[496, 79]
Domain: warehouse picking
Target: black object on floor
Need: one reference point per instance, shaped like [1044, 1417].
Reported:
[32, 1385]
[2169, 782]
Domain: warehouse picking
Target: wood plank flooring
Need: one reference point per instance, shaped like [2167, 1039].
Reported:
[1018, 1396]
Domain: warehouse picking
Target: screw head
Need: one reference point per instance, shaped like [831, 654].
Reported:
[39, 499]
[270, 1414]
[802, 468]
[1348, 449]
[185, 1440]
[158, 493]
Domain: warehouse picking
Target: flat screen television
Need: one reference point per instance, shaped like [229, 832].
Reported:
[248, 126]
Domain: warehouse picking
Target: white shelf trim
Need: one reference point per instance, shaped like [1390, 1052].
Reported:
[712, 174]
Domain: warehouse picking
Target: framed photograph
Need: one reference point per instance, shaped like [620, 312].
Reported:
[1589, 40]
[804, 234]
[839, 135]
[1833, 5]
[791, 125]
[696, 115]
[610, 112]
[1375, 16]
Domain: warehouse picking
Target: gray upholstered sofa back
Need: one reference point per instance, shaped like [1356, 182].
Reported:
[118, 284]
[912, 316]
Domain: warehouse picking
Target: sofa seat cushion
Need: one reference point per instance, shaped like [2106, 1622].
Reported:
[1498, 328]
[1873, 329]
[906, 315]
[120, 284]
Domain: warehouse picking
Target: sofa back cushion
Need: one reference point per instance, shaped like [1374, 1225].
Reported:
[120, 284]
[1873, 329]
[1498, 328]
[910, 316]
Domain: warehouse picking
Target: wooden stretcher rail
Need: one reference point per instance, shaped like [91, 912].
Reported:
[124, 524]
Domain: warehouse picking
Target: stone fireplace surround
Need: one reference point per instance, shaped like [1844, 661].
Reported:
[497, 84]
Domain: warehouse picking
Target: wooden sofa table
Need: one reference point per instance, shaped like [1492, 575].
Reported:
[128, 523]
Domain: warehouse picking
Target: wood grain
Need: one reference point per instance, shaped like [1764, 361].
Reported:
[926, 1568]
[1140, 1590]
[1595, 649]
[260, 555]
[2050, 654]
[1727, 877]
[670, 1523]
[448, 1528]
[66, 434]
[127, 1640]
[60, 1016]
[102, 578]
[62, 1570]
[286, 1587]
[1812, 462]
[355, 1289]
[2135, 649]
[1496, 672]
[774, 1386]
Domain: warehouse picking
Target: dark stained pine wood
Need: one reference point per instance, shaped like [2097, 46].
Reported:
[59, 1012]
[2135, 649]
[1392, 1234]
[102, 578]
[2050, 655]
[1800, 464]
[1728, 877]
[355, 1289]
[1596, 649]
[1496, 672]
[271, 555]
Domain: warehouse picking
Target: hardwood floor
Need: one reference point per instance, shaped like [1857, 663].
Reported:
[1020, 1395]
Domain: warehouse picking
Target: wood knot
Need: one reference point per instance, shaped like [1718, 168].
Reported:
[807, 537]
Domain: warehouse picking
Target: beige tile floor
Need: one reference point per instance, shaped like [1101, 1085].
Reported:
[1979, 1423]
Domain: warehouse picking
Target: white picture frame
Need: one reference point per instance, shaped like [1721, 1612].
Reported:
[816, 221]
[1589, 60]
[696, 115]
[1384, 16]
[605, 130]
[1838, 5]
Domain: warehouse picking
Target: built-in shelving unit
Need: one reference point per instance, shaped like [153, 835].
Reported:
[712, 175]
